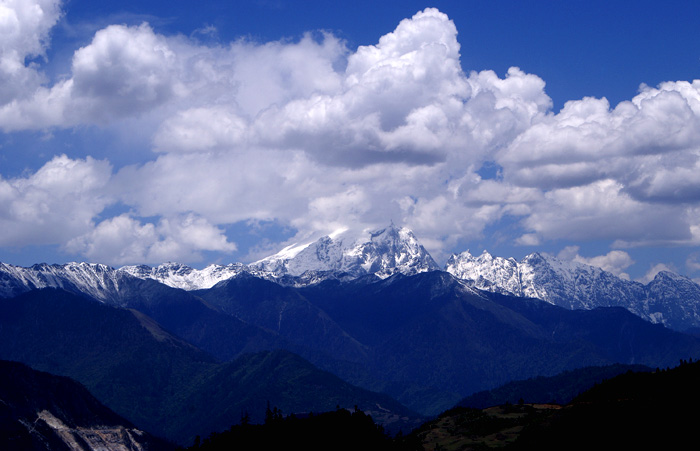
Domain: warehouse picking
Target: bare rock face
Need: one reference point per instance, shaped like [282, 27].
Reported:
[42, 411]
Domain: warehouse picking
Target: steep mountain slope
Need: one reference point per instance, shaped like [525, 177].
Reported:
[670, 299]
[160, 382]
[182, 313]
[41, 411]
[129, 363]
[434, 331]
[179, 311]
[290, 384]
[558, 389]
[631, 411]
[177, 275]
[95, 280]
[305, 328]
[382, 253]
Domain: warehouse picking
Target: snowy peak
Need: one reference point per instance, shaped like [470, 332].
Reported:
[185, 277]
[325, 254]
[94, 279]
[393, 250]
[670, 299]
[381, 252]
[497, 274]
[568, 284]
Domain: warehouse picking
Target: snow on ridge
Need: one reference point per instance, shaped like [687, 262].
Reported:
[177, 275]
[671, 299]
[381, 252]
[95, 279]
[340, 254]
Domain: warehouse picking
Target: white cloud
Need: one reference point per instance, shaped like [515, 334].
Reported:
[587, 141]
[614, 261]
[528, 239]
[123, 240]
[654, 270]
[57, 202]
[201, 129]
[316, 136]
[692, 262]
[627, 173]
[24, 36]
[603, 210]
[124, 70]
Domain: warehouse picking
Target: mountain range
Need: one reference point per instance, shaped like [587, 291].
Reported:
[670, 299]
[334, 322]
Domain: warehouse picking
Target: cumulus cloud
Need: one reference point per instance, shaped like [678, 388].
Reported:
[603, 210]
[123, 239]
[628, 173]
[654, 270]
[615, 261]
[24, 37]
[55, 203]
[317, 136]
[587, 141]
[123, 71]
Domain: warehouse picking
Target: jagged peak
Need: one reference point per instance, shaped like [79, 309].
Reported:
[380, 251]
[670, 275]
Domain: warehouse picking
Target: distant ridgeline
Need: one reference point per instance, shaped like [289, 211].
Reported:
[183, 352]
[669, 299]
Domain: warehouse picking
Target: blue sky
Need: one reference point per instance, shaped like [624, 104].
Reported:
[139, 132]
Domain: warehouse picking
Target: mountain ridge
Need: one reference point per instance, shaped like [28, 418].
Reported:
[669, 299]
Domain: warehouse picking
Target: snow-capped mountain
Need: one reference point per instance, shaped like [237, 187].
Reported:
[670, 299]
[177, 275]
[496, 274]
[99, 281]
[381, 252]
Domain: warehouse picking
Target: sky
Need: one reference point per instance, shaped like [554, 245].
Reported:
[217, 132]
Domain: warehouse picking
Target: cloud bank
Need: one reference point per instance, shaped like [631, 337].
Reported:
[317, 136]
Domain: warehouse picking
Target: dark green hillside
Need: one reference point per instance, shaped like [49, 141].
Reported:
[288, 382]
[286, 312]
[559, 389]
[41, 411]
[429, 331]
[189, 317]
[129, 364]
[158, 381]
[634, 410]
